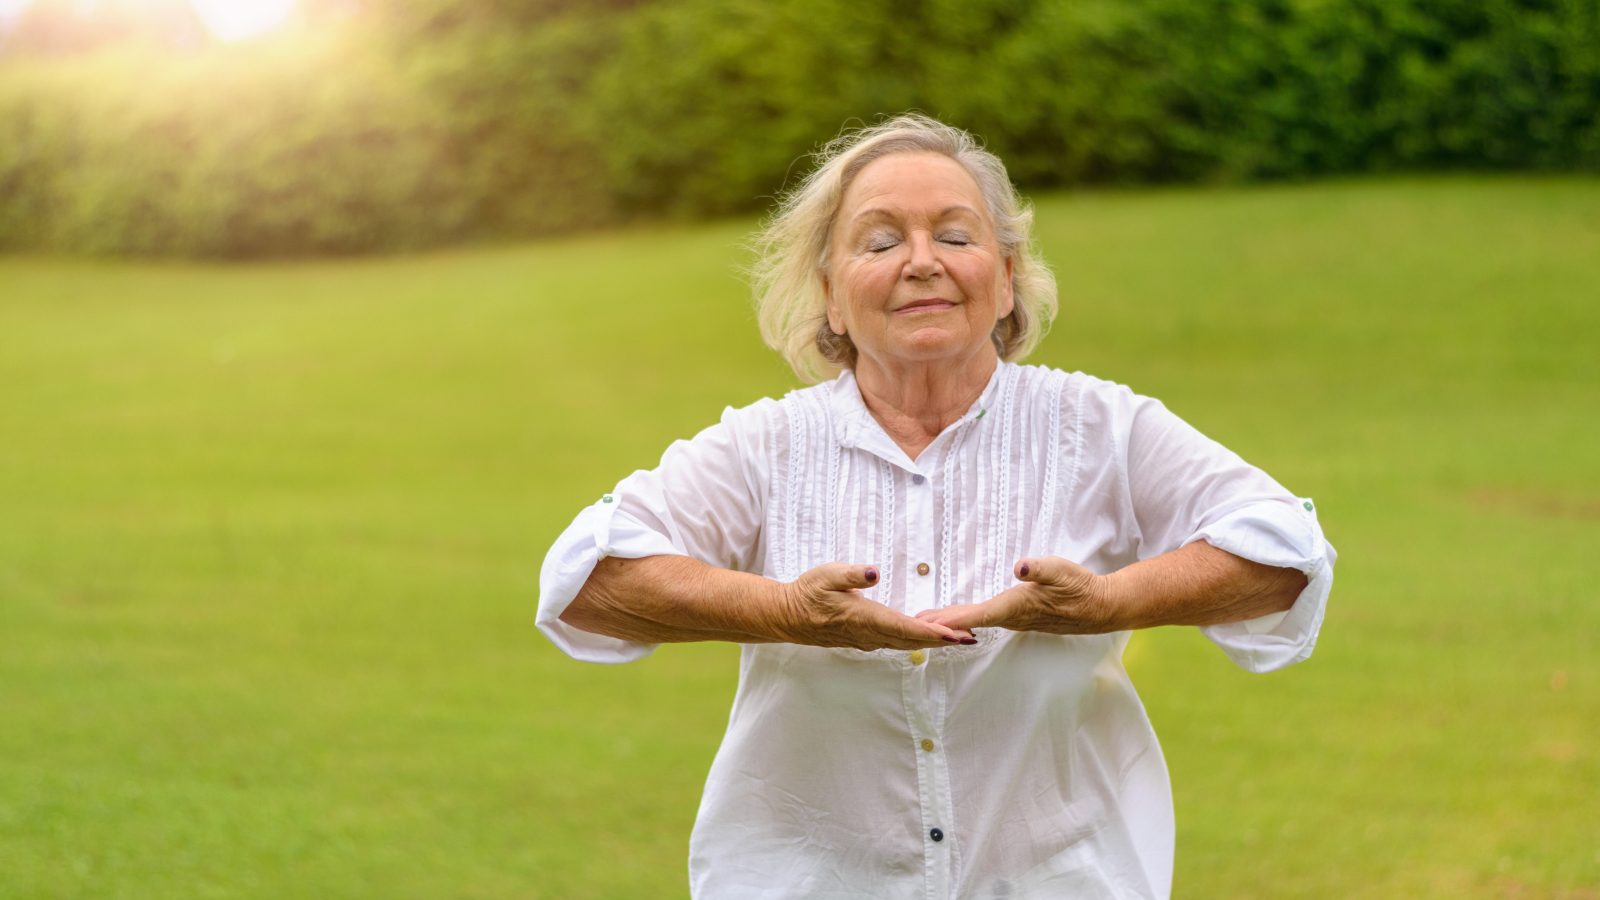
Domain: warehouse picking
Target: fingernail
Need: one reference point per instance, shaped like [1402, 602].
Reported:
[969, 640]
[1024, 568]
[872, 574]
[949, 638]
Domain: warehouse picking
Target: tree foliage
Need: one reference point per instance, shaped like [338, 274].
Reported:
[428, 121]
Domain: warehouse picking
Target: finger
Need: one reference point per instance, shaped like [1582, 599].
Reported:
[921, 631]
[1004, 610]
[1049, 570]
[951, 634]
[931, 616]
[939, 616]
[968, 616]
[842, 577]
[934, 634]
[944, 619]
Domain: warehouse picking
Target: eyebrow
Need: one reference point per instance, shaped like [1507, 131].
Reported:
[880, 211]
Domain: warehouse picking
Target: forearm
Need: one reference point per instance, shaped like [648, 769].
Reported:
[673, 599]
[1198, 584]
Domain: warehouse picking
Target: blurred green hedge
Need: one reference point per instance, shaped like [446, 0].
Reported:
[431, 121]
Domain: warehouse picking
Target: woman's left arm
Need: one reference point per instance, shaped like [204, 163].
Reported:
[1196, 584]
[1221, 544]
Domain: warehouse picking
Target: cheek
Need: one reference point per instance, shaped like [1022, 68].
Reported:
[981, 281]
[870, 284]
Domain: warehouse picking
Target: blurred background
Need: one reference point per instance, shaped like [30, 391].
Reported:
[319, 319]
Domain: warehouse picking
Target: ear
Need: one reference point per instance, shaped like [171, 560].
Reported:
[1008, 298]
[835, 309]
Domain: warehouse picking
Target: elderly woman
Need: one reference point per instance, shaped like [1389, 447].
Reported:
[932, 561]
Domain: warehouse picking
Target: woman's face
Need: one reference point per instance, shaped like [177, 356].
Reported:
[915, 272]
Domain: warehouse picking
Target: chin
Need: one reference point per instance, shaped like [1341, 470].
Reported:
[930, 343]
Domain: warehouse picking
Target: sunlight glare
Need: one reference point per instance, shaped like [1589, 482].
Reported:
[235, 20]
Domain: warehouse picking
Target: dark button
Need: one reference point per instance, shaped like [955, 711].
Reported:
[918, 479]
[936, 834]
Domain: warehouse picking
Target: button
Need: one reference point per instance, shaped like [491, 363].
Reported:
[606, 499]
[922, 568]
[917, 656]
[927, 745]
[1308, 506]
[936, 834]
[918, 479]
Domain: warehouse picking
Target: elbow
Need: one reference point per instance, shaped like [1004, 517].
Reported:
[594, 609]
[580, 615]
[1291, 583]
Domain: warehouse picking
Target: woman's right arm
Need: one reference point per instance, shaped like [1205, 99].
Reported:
[672, 599]
[672, 555]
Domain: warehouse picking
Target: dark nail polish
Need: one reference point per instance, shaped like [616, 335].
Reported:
[872, 574]
[969, 640]
[952, 640]
[1024, 568]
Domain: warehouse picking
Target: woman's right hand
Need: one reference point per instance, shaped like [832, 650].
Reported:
[824, 607]
[662, 599]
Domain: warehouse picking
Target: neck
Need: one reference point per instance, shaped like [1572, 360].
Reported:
[915, 401]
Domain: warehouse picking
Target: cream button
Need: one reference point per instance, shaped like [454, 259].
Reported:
[917, 656]
[922, 568]
[927, 745]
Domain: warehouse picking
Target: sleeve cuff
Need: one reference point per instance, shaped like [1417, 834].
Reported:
[1275, 533]
[598, 532]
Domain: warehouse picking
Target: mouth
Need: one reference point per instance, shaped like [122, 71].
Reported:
[931, 304]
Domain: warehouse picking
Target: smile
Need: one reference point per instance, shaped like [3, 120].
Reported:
[934, 304]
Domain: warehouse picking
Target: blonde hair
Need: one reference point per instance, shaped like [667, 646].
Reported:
[792, 249]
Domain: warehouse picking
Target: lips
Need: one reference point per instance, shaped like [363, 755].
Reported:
[931, 304]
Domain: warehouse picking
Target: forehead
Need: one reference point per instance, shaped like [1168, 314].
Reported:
[910, 183]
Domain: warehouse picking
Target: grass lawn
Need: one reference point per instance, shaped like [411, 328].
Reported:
[270, 539]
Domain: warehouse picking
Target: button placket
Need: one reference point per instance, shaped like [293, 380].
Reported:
[920, 533]
[932, 777]
[920, 690]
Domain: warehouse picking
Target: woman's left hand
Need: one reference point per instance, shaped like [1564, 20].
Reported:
[1057, 596]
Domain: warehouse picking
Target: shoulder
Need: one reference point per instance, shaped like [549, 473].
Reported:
[1100, 420]
[771, 419]
[741, 431]
[1087, 401]
[756, 418]
[759, 432]
[816, 397]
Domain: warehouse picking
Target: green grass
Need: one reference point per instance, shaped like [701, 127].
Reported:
[270, 537]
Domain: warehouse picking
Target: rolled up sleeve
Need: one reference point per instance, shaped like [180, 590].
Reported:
[703, 501]
[1185, 487]
[1283, 534]
[598, 532]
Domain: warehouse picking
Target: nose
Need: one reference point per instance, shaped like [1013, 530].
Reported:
[924, 261]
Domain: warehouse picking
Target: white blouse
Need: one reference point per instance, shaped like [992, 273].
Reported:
[1020, 767]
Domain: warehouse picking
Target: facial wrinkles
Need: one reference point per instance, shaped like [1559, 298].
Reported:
[909, 235]
[895, 264]
[877, 231]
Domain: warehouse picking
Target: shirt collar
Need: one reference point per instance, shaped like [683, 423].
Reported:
[856, 428]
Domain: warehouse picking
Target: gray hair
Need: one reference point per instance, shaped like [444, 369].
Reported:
[792, 249]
